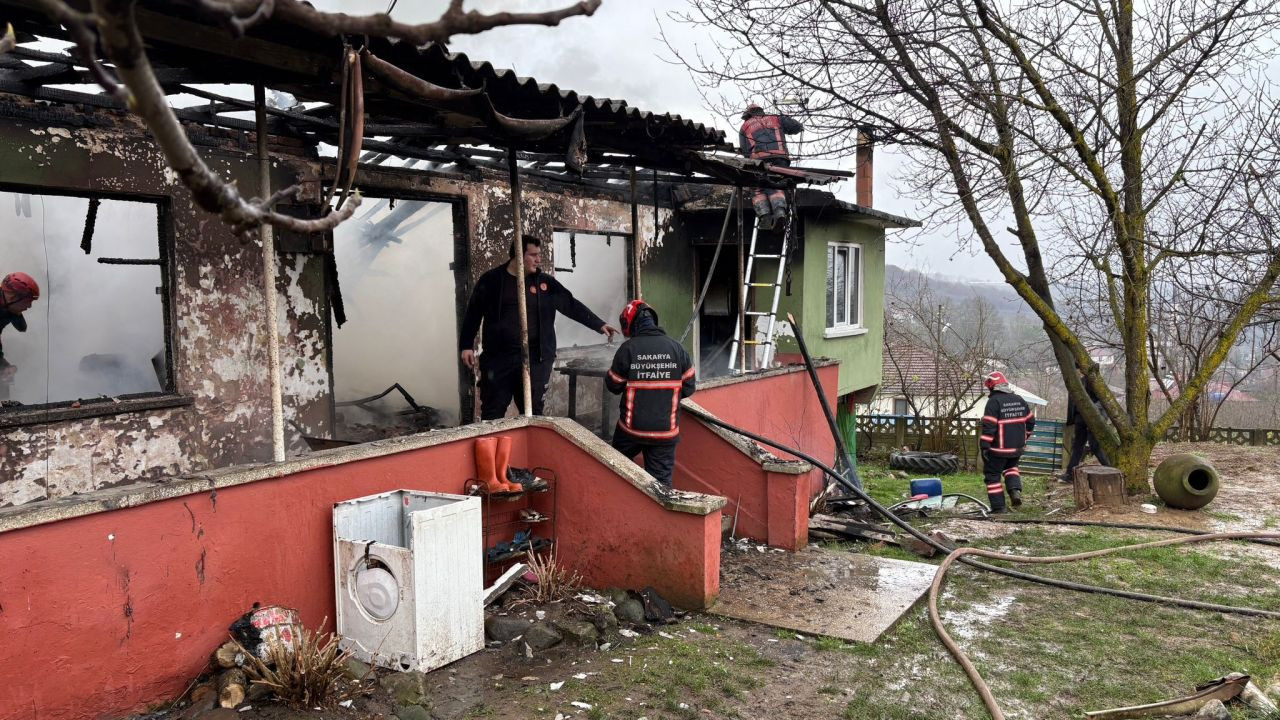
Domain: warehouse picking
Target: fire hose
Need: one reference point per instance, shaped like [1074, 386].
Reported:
[959, 555]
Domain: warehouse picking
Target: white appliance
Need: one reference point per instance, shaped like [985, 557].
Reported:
[409, 578]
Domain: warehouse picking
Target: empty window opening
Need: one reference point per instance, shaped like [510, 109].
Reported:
[395, 364]
[96, 330]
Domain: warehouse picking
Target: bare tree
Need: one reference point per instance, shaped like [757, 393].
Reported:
[112, 25]
[1083, 143]
[937, 353]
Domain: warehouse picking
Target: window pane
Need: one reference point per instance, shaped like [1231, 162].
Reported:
[855, 292]
[96, 329]
[842, 286]
[831, 286]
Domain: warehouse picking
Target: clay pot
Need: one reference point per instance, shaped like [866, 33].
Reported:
[1187, 482]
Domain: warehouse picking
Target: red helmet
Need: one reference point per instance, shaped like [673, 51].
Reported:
[632, 311]
[994, 379]
[20, 285]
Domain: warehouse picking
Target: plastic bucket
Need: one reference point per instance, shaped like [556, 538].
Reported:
[926, 486]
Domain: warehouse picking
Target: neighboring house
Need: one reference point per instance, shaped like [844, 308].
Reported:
[918, 383]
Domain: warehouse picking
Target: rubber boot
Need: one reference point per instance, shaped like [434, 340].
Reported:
[1013, 481]
[486, 470]
[501, 463]
[995, 496]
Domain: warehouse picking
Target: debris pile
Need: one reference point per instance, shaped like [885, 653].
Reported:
[585, 620]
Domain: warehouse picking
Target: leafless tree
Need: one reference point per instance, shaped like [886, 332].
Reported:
[112, 25]
[1082, 142]
[938, 353]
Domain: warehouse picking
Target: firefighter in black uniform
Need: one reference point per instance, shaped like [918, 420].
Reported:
[494, 301]
[761, 138]
[17, 292]
[652, 372]
[1007, 422]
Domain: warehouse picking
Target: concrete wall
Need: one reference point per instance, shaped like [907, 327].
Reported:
[103, 613]
[859, 355]
[220, 414]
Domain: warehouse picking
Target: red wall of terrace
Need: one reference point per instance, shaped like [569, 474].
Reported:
[781, 407]
[105, 613]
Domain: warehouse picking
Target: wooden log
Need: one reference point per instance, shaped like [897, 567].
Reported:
[232, 686]
[229, 655]
[1099, 485]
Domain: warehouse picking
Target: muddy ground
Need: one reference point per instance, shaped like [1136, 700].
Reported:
[1048, 654]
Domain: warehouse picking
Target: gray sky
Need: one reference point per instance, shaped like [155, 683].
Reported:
[618, 53]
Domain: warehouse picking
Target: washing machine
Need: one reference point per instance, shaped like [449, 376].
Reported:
[409, 578]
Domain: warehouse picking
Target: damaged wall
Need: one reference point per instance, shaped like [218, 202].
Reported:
[220, 414]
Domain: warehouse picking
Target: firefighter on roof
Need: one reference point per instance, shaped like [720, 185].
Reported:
[652, 372]
[761, 138]
[1007, 422]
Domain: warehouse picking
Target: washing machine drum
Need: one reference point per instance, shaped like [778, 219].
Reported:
[376, 590]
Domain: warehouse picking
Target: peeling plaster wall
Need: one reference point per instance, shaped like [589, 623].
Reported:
[219, 358]
[217, 333]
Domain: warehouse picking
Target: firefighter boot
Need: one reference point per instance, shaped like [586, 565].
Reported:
[995, 495]
[501, 461]
[778, 204]
[1013, 481]
[486, 462]
[764, 214]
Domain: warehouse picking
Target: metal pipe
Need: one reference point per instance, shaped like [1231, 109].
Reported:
[636, 294]
[269, 279]
[849, 465]
[513, 167]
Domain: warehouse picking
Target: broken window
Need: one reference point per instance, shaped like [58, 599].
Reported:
[395, 360]
[592, 266]
[97, 329]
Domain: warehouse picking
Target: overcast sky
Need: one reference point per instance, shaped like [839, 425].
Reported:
[618, 53]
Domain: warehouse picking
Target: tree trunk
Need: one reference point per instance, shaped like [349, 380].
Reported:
[1133, 457]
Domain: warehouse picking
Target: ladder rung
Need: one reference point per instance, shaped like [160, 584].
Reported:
[755, 284]
[757, 342]
[758, 313]
[766, 257]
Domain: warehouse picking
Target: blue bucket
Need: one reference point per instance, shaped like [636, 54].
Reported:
[926, 486]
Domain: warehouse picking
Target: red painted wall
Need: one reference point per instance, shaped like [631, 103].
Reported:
[782, 407]
[105, 613]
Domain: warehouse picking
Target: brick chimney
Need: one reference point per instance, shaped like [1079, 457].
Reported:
[864, 169]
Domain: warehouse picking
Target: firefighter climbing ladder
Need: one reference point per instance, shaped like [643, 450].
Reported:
[739, 343]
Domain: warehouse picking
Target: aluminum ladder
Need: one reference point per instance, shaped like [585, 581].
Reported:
[739, 343]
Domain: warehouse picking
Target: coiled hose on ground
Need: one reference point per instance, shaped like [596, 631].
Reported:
[954, 555]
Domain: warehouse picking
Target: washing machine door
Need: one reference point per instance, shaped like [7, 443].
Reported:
[376, 590]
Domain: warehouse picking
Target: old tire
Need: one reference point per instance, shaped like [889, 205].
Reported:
[1186, 482]
[926, 463]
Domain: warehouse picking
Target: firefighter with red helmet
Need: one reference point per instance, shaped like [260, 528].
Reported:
[762, 138]
[17, 292]
[652, 372]
[1007, 422]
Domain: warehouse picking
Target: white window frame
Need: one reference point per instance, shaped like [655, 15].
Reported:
[852, 325]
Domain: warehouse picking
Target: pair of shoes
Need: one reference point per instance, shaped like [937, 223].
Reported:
[526, 479]
[530, 515]
[492, 454]
[1015, 498]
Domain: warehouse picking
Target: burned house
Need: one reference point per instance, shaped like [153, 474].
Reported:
[142, 409]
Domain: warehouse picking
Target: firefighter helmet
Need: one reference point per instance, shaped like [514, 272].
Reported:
[21, 286]
[752, 109]
[994, 379]
[631, 312]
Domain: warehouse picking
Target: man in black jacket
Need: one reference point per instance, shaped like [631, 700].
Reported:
[1081, 435]
[494, 302]
[1007, 422]
[652, 372]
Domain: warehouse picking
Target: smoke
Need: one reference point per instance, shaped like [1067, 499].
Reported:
[95, 327]
[398, 288]
[599, 281]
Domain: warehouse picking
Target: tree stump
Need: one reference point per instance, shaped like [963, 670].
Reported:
[1098, 485]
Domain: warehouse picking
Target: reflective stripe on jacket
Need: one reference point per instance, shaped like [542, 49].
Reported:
[1007, 422]
[652, 372]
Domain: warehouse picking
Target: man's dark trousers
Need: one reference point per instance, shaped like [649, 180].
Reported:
[1081, 437]
[501, 382]
[659, 460]
[1000, 472]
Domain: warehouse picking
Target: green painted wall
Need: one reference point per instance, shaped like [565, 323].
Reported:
[666, 277]
[859, 355]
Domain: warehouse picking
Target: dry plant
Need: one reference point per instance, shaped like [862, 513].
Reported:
[555, 581]
[306, 677]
